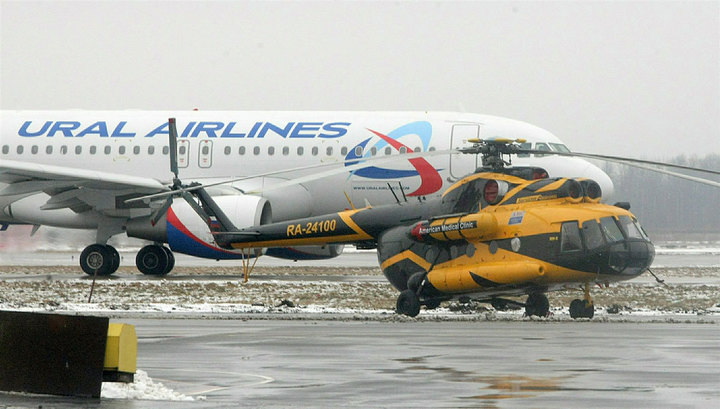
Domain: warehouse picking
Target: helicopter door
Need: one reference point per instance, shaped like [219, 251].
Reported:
[205, 154]
[462, 164]
[183, 153]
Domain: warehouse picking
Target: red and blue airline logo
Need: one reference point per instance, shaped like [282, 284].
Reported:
[431, 181]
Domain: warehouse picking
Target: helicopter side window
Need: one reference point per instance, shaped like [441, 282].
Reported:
[592, 235]
[630, 229]
[570, 237]
[610, 229]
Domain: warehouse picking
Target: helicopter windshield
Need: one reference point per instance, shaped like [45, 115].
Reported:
[592, 235]
[610, 229]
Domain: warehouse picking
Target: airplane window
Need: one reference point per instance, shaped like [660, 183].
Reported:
[6, 149]
[121, 150]
[328, 151]
[358, 151]
[285, 150]
[63, 149]
[558, 147]
[627, 225]
[403, 149]
[314, 150]
[165, 150]
[570, 237]
[241, 151]
[432, 149]
[34, 149]
[108, 149]
[541, 146]
[271, 150]
[136, 150]
[151, 150]
[373, 151]
[256, 150]
[78, 150]
[300, 150]
[344, 150]
[417, 149]
[525, 145]
[610, 229]
[20, 149]
[592, 235]
[388, 150]
[48, 149]
[228, 150]
[93, 149]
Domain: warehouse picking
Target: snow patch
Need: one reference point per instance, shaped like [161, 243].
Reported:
[143, 388]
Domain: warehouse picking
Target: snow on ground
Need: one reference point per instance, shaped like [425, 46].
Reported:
[142, 388]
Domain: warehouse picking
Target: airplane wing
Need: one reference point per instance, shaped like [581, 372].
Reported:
[69, 187]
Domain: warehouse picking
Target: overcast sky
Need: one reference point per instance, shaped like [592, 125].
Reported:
[628, 78]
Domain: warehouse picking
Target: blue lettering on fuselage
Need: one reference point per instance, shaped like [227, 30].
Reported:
[193, 129]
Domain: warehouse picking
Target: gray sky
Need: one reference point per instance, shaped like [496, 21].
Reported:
[606, 77]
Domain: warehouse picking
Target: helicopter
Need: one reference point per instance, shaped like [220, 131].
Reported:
[500, 232]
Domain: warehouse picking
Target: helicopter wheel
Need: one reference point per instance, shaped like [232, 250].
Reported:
[579, 309]
[537, 304]
[432, 303]
[499, 304]
[408, 304]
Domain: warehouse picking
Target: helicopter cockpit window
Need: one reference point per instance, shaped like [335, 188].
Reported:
[524, 145]
[558, 147]
[630, 229]
[570, 237]
[610, 229]
[541, 146]
[592, 235]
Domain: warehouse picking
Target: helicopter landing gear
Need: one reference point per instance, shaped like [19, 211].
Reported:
[583, 308]
[408, 304]
[537, 304]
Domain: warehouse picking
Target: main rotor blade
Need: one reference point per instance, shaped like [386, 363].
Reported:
[365, 163]
[173, 146]
[618, 159]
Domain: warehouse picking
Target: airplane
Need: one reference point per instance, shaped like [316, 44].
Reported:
[497, 233]
[82, 170]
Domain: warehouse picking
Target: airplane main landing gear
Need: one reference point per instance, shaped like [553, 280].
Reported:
[583, 308]
[99, 258]
[537, 304]
[155, 260]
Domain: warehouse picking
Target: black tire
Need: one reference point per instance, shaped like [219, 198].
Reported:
[408, 304]
[152, 260]
[97, 257]
[589, 311]
[171, 260]
[537, 304]
[577, 308]
[115, 258]
[432, 303]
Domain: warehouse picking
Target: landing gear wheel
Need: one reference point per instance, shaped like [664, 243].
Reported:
[408, 304]
[98, 257]
[171, 260]
[537, 304]
[153, 260]
[579, 309]
[115, 258]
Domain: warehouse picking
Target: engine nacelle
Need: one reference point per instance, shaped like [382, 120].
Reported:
[187, 233]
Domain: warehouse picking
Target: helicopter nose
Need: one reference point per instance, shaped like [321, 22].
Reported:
[631, 257]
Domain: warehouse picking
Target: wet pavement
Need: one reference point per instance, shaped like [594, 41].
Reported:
[538, 364]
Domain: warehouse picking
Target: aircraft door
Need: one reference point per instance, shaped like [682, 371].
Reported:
[462, 164]
[183, 153]
[205, 154]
